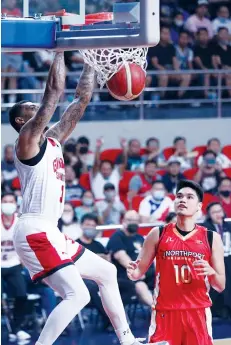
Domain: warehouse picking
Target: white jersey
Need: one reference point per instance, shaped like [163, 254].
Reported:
[42, 181]
[9, 257]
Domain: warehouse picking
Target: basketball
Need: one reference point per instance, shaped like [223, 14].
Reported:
[127, 83]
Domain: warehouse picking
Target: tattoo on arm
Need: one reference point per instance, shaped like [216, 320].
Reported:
[54, 89]
[76, 109]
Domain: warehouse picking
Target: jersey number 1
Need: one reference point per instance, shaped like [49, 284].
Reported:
[61, 197]
[183, 274]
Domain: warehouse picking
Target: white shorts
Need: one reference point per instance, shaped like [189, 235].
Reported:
[42, 248]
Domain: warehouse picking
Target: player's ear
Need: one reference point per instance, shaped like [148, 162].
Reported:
[19, 120]
[199, 207]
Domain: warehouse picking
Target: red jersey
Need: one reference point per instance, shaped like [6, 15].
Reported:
[177, 284]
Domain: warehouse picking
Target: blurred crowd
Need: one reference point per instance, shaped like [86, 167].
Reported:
[195, 35]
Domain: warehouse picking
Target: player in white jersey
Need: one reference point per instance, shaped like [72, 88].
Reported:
[12, 279]
[44, 250]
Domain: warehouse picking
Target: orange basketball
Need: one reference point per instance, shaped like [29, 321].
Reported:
[127, 83]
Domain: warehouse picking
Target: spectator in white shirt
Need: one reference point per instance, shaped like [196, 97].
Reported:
[199, 20]
[214, 145]
[222, 20]
[156, 207]
[111, 209]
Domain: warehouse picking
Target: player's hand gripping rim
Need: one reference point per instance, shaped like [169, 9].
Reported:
[205, 269]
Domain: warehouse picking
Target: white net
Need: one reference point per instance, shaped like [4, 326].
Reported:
[107, 62]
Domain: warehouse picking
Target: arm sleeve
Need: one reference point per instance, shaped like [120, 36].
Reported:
[115, 244]
[135, 183]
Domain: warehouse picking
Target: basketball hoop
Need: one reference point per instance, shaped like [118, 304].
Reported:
[107, 62]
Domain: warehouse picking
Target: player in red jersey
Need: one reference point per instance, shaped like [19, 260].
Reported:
[189, 258]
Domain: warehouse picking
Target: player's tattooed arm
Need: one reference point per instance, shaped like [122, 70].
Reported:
[31, 133]
[76, 109]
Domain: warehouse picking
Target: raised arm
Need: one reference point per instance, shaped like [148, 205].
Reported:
[62, 129]
[136, 269]
[30, 134]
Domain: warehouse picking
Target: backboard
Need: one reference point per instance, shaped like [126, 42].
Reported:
[133, 24]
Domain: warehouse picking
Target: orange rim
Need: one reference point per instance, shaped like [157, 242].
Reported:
[98, 17]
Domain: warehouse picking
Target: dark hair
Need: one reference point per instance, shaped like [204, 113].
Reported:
[83, 140]
[7, 146]
[131, 140]
[207, 152]
[202, 29]
[90, 216]
[211, 204]
[193, 185]
[109, 186]
[213, 139]
[152, 139]
[69, 147]
[106, 161]
[222, 28]
[170, 216]
[14, 112]
[10, 194]
[150, 162]
[164, 27]
[157, 181]
[184, 32]
[223, 179]
[178, 139]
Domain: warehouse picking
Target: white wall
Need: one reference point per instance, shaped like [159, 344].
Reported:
[197, 131]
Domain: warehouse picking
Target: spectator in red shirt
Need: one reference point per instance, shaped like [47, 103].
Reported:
[224, 192]
[11, 62]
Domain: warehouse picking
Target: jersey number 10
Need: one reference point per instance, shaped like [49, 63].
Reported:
[183, 274]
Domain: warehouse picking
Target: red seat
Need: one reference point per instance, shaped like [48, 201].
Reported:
[227, 151]
[84, 181]
[227, 172]
[76, 203]
[143, 151]
[161, 172]
[190, 173]
[136, 202]
[110, 155]
[15, 183]
[168, 152]
[208, 198]
[124, 183]
[200, 151]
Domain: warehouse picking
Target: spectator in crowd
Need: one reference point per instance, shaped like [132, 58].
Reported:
[46, 58]
[224, 194]
[89, 233]
[11, 62]
[4, 185]
[73, 189]
[199, 19]
[163, 57]
[88, 205]
[153, 152]
[203, 57]
[124, 246]
[141, 184]
[130, 158]
[177, 26]
[102, 173]
[209, 173]
[71, 158]
[8, 168]
[111, 209]
[181, 153]
[68, 223]
[83, 152]
[74, 63]
[172, 176]
[13, 282]
[184, 54]
[222, 55]
[157, 205]
[171, 218]
[215, 222]
[214, 145]
[222, 20]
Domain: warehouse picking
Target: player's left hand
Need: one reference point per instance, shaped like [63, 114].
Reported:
[203, 268]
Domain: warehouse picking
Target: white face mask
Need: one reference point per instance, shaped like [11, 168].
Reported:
[8, 208]
[67, 217]
[158, 195]
[87, 202]
[179, 22]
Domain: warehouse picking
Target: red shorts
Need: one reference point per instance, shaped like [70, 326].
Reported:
[182, 327]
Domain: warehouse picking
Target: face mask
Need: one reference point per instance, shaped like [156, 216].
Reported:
[87, 202]
[159, 195]
[222, 20]
[225, 193]
[132, 228]
[210, 161]
[8, 208]
[83, 150]
[90, 233]
[110, 195]
[67, 218]
[178, 22]
[224, 42]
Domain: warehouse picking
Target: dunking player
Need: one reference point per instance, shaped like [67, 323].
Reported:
[46, 252]
[189, 258]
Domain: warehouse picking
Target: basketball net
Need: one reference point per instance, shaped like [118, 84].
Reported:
[107, 62]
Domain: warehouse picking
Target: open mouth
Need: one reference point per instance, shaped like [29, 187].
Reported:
[181, 206]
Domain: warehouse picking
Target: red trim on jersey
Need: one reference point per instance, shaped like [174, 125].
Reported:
[12, 222]
[53, 143]
[79, 253]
